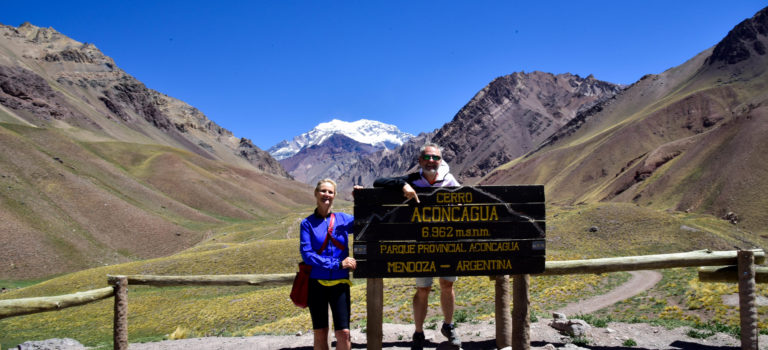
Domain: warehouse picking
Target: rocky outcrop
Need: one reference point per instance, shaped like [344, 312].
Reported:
[260, 158]
[76, 83]
[512, 115]
[382, 163]
[23, 90]
[506, 119]
[746, 39]
[330, 159]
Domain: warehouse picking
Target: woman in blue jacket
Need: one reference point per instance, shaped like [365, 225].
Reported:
[324, 246]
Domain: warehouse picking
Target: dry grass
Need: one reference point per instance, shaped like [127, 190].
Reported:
[155, 313]
[89, 204]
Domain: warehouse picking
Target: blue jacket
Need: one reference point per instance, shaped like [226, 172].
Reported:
[326, 265]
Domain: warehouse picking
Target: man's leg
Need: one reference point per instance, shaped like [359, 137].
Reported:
[447, 300]
[420, 303]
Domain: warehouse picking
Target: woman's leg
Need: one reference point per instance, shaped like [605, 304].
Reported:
[339, 299]
[318, 310]
[321, 339]
[343, 340]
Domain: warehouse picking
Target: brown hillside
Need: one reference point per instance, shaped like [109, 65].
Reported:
[690, 139]
[95, 168]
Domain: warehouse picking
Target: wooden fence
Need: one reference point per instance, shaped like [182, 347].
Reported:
[514, 331]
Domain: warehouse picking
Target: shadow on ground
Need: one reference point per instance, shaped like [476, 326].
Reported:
[491, 344]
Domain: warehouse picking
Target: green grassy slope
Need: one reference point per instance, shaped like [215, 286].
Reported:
[623, 229]
[85, 204]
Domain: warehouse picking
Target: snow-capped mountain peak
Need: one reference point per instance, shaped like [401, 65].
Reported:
[366, 131]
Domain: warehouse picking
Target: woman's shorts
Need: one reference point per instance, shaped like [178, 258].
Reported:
[337, 297]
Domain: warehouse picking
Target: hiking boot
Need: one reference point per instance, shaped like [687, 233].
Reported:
[449, 332]
[418, 341]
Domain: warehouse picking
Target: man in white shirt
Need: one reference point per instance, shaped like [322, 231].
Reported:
[433, 173]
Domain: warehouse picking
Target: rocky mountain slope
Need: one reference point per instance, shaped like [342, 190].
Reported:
[330, 149]
[51, 80]
[377, 134]
[96, 168]
[690, 139]
[329, 159]
[504, 120]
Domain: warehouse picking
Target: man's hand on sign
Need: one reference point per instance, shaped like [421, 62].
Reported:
[409, 192]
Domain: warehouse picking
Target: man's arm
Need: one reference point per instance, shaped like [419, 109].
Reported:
[398, 182]
[391, 182]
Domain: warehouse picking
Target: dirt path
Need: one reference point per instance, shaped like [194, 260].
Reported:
[640, 282]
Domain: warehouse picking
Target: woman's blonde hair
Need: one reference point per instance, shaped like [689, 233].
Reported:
[317, 188]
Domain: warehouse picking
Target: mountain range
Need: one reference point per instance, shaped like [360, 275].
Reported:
[98, 169]
[370, 132]
[691, 139]
[331, 148]
[505, 119]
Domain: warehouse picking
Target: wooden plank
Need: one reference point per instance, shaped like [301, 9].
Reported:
[521, 314]
[374, 298]
[26, 306]
[747, 300]
[444, 195]
[429, 214]
[730, 274]
[447, 232]
[647, 262]
[450, 267]
[503, 312]
[120, 315]
[209, 280]
[491, 249]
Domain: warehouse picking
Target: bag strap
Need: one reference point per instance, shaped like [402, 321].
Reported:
[329, 237]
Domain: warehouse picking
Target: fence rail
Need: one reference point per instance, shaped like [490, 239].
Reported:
[729, 274]
[709, 261]
[26, 306]
[208, 280]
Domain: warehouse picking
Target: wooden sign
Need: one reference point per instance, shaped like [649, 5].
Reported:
[453, 231]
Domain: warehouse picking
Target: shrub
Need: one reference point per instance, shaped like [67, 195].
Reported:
[629, 342]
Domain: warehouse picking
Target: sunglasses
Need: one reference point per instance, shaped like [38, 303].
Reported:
[429, 156]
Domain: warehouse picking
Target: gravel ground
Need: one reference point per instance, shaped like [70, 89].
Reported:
[481, 335]
[478, 336]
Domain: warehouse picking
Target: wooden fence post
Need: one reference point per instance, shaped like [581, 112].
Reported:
[375, 308]
[503, 316]
[120, 334]
[521, 320]
[747, 300]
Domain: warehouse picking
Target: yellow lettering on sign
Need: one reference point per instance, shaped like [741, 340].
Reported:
[448, 247]
[483, 265]
[410, 266]
[397, 249]
[494, 247]
[455, 214]
[445, 197]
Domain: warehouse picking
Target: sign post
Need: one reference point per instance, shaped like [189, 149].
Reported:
[453, 231]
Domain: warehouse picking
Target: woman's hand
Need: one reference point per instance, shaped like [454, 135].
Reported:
[349, 263]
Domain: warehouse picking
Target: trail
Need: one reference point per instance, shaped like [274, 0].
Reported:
[640, 282]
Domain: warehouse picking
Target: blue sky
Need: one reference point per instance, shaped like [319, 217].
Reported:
[270, 70]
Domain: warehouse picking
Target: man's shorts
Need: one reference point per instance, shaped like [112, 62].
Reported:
[423, 282]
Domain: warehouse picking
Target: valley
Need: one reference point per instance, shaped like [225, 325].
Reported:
[100, 175]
